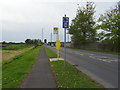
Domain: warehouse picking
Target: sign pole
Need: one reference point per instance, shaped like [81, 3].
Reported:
[65, 45]
[65, 26]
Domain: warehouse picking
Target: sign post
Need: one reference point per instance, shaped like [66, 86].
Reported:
[65, 26]
[57, 41]
[58, 47]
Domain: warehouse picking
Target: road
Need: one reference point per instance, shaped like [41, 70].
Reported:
[101, 67]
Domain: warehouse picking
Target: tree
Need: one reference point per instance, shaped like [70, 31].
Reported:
[28, 41]
[35, 42]
[101, 35]
[110, 23]
[3, 42]
[83, 25]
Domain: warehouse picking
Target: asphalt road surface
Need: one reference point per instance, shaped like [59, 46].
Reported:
[101, 67]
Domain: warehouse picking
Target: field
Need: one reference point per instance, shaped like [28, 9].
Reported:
[68, 76]
[11, 50]
[7, 54]
[15, 46]
[16, 68]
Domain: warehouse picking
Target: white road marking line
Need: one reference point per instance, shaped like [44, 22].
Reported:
[81, 54]
[85, 54]
[78, 53]
[104, 59]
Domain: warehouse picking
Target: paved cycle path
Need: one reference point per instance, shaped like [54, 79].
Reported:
[41, 75]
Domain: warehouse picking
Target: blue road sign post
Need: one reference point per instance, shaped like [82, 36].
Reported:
[65, 22]
[65, 26]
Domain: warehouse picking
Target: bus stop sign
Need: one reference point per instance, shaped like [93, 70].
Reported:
[65, 22]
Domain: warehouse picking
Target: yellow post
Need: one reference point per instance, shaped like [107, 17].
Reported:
[58, 44]
[56, 31]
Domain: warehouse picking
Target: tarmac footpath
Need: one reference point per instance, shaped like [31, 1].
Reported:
[41, 75]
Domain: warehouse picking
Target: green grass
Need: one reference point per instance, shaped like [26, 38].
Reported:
[15, 69]
[15, 47]
[50, 53]
[69, 76]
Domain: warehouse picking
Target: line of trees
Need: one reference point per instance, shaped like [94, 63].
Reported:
[110, 23]
[83, 27]
[35, 42]
[4, 42]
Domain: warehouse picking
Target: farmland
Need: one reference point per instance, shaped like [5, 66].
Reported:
[14, 46]
[10, 51]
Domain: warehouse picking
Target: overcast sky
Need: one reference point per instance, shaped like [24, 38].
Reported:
[22, 19]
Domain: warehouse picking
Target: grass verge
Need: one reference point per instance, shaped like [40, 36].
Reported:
[50, 53]
[15, 69]
[69, 76]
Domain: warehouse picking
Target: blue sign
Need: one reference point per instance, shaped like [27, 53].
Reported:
[65, 22]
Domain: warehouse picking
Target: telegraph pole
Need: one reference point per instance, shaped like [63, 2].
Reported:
[51, 37]
[51, 40]
[42, 34]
